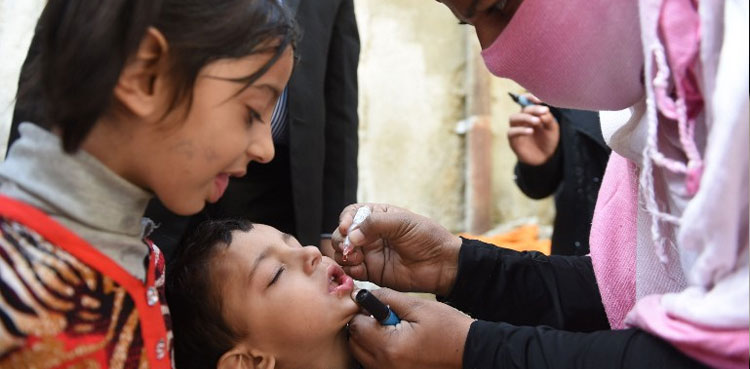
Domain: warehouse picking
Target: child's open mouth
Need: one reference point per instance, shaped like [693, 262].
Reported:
[338, 281]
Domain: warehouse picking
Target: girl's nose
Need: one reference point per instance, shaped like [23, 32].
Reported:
[261, 147]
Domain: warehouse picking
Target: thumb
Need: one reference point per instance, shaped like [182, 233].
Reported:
[405, 306]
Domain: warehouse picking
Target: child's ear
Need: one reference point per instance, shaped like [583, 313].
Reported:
[141, 87]
[241, 358]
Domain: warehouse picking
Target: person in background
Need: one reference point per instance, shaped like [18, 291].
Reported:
[560, 152]
[141, 98]
[668, 275]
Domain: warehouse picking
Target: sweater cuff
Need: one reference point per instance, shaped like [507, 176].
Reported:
[474, 255]
[484, 341]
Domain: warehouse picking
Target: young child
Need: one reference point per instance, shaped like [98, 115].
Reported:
[141, 98]
[247, 296]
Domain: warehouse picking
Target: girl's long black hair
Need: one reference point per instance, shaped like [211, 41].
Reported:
[83, 46]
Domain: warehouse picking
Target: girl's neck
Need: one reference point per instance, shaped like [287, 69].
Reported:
[106, 135]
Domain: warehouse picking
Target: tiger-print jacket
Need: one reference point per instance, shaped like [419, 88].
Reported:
[63, 304]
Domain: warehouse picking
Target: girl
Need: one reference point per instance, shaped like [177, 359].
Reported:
[141, 98]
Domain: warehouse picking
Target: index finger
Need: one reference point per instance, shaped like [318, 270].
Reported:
[536, 110]
[346, 217]
[533, 98]
[405, 306]
[385, 222]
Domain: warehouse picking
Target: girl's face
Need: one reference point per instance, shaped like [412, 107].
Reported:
[192, 155]
[290, 301]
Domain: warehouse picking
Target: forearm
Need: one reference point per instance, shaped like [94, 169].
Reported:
[499, 345]
[527, 288]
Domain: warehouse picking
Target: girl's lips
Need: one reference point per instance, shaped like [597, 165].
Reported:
[338, 282]
[220, 185]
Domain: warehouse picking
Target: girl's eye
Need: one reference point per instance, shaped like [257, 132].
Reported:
[277, 275]
[254, 116]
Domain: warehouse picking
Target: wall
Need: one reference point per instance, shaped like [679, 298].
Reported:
[17, 21]
[412, 95]
[411, 73]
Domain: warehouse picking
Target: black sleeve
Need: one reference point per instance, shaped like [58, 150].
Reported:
[341, 131]
[527, 288]
[500, 345]
[540, 181]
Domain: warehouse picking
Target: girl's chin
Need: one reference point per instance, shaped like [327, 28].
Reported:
[184, 208]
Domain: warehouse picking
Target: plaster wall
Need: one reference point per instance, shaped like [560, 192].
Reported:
[17, 21]
[412, 94]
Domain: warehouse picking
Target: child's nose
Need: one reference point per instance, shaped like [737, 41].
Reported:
[311, 257]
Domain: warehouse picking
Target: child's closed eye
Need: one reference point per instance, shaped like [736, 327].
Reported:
[277, 275]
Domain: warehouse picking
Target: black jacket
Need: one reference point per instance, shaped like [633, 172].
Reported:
[573, 174]
[314, 175]
[538, 311]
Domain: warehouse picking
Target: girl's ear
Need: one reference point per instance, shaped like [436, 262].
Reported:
[241, 358]
[141, 88]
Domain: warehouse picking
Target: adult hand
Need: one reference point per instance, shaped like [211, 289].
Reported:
[396, 248]
[326, 247]
[534, 133]
[430, 335]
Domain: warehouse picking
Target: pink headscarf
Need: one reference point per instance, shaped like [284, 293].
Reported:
[690, 137]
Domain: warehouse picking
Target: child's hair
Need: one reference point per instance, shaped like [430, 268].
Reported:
[201, 334]
[84, 45]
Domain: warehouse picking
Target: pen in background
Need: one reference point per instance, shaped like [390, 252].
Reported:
[521, 100]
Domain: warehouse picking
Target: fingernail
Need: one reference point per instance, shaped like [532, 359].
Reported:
[356, 237]
[536, 120]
